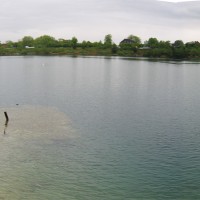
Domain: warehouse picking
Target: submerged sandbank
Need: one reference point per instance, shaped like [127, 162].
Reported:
[35, 121]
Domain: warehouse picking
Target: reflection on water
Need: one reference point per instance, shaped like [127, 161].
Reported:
[138, 120]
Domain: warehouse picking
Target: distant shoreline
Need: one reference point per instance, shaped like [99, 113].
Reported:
[143, 54]
[128, 47]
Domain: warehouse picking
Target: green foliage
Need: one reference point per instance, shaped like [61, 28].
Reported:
[74, 42]
[128, 47]
[159, 53]
[153, 43]
[47, 45]
[125, 46]
[164, 44]
[108, 41]
[193, 44]
[178, 44]
[114, 48]
[136, 40]
[27, 41]
[9, 44]
[194, 52]
[45, 41]
[179, 53]
[64, 43]
[99, 44]
[88, 44]
[84, 44]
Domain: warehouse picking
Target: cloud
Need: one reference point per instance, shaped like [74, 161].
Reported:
[92, 19]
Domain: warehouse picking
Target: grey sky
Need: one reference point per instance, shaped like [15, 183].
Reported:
[92, 19]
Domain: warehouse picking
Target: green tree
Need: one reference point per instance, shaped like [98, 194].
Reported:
[45, 41]
[89, 44]
[74, 42]
[178, 44]
[179, 53]
[164, 44]
[27, 41]
[193, 44]
[84, 44]
[136, 40]
[114, 48]
[108, 41]
[194, 52]
[153, 43]
[64, 43]
[61, 42]
[10, 44]
[99, 44]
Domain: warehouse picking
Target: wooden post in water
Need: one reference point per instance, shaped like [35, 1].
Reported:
[6, 123]
[7, 119]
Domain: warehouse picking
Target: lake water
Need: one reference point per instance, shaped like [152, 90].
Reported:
[95, 128]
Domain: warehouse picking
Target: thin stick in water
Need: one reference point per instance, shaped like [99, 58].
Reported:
[6, 123]
[7, 119]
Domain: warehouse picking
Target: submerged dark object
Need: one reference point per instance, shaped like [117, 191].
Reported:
[7, 119]
[6, 123]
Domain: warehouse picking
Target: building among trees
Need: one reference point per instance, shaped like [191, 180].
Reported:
[127, 41]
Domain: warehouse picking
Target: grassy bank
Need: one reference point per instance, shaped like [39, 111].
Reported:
[172, 53]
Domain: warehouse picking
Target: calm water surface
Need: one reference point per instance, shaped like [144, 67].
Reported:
[137, 124]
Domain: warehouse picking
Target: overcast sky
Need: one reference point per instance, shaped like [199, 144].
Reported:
[93, 19]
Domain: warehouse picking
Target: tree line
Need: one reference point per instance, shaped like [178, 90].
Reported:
[131, 46]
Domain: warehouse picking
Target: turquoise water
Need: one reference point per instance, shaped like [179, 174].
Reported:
[135, 127]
